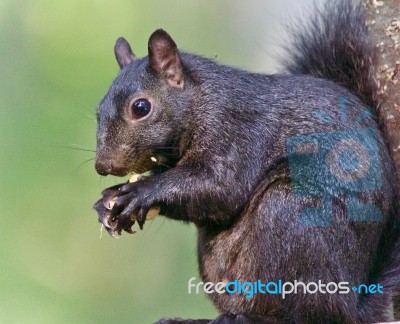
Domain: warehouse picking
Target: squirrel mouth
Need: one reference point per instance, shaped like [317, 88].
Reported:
[139, 166]
[145, 161]
[139, 163]
[117, 168]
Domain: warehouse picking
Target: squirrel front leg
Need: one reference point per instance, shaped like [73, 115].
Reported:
[191, 193]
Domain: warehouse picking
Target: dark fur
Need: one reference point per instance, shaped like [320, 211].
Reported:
[224, 137]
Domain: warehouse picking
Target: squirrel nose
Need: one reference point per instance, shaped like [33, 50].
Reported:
[103, 168]
[107, 167]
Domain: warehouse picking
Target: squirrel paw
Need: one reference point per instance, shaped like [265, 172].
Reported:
[129, 206]
[124, 204]
[104, 207]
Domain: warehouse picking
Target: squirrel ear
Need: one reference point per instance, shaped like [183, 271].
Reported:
[123, 52]
[164, 58]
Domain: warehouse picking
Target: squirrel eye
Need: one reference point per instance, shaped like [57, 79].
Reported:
[140, 108]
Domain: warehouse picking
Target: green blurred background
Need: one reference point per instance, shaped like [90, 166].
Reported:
[56, 63]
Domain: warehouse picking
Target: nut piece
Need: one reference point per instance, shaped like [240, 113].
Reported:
[151, 214]
[134, 178]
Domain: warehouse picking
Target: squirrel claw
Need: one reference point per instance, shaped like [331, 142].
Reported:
[110, 231]
[141, 216]
[106, 223]
[124, 225]
[141, 225]
[104, 217]
[129, 230]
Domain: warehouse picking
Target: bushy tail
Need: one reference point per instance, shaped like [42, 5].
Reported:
[334, 45]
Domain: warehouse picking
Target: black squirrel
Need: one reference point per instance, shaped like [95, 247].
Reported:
[228, 151]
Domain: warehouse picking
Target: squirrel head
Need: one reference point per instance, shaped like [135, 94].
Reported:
[142, 111]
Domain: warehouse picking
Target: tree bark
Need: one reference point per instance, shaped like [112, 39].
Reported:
[383, 21]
